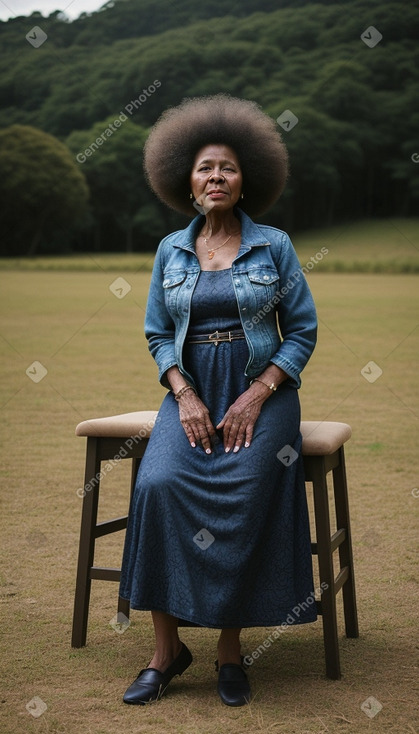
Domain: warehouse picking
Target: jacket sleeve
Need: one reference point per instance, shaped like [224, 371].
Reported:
[296, 313]
[159, 326]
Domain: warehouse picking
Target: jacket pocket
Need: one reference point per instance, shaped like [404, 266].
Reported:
[263, 276]
[264, 283]
[172, 287]
[173, 278]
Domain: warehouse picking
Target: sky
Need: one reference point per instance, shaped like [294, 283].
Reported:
[72, 8]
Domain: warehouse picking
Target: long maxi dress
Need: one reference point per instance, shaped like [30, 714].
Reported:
[221, 540]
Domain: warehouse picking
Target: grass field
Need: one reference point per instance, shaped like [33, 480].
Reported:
[371, 246]
[91, 343]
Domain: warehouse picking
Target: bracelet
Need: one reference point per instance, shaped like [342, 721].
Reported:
[271, 387]
[182, 391]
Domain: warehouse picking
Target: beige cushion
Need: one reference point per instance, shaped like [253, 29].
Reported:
[323, 437]
[319, 437]
[119, 426]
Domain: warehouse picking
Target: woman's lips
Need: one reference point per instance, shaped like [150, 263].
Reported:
[216, 194]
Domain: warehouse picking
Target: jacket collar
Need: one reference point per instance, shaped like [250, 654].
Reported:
[252, 235]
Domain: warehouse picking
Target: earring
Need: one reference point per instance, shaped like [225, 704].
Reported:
[191, 196]
[242, 196]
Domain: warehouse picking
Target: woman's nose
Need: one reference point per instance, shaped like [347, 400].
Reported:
[217, 176]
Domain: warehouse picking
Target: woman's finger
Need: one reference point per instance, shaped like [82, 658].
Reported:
[210, 428]
[231, 432]
[190, 435]
[241, 435]
[201, 433]
[249, 435]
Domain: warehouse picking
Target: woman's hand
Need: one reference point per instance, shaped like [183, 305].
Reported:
[239, 421]
[194, 417]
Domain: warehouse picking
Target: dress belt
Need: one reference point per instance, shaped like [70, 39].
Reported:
[216, 337]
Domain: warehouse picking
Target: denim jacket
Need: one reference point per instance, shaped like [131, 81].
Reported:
[271, 292]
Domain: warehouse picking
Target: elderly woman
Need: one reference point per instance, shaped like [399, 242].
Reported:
[218, 531]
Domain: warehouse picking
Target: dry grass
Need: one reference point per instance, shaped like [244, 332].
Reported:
[93, 347]
[365, 246]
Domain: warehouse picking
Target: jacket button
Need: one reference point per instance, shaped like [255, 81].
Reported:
[266, 277]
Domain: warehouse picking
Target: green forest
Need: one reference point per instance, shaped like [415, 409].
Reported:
[77, 100]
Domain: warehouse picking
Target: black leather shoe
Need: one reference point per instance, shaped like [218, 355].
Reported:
[233, 686]
[151, 683]
[243, 663]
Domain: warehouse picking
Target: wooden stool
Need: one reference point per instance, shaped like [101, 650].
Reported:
[323, 452]
[126, 437]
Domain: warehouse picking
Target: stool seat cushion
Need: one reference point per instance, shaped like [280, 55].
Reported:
[119, 426]
[320, 438]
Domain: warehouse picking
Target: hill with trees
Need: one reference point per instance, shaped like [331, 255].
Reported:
[347, 71]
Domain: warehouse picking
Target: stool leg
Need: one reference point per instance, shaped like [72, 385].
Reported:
[345, 549]
[123, 606]
[326, 572]
[86, 546]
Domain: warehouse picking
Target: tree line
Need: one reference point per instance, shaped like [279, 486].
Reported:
[341, 79]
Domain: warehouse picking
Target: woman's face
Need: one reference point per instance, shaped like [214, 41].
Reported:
[216, 178]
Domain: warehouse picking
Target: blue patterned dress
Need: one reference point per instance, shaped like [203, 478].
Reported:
[221, 540]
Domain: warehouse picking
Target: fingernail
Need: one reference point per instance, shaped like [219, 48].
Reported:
[227, 450]
[207, 451]
[235, 450]
[246, 445]
[193, 445]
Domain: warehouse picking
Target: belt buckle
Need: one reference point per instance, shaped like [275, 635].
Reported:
[214, 338]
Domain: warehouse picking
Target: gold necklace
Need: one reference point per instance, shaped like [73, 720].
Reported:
[213, 250]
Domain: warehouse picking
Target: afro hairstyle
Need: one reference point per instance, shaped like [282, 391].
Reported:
[182, 131]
